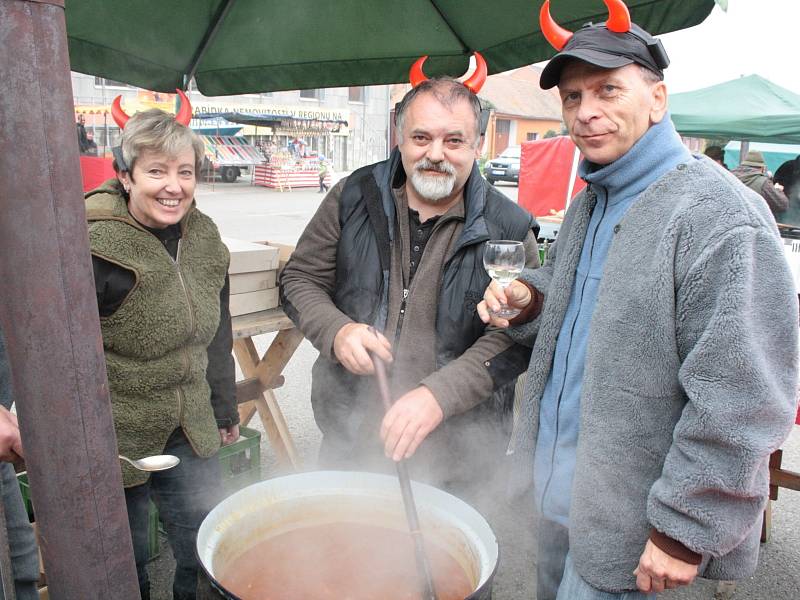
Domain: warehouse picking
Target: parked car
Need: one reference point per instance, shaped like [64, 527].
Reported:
[505, 167]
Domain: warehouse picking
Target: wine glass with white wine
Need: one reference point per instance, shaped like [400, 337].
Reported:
[504, 260]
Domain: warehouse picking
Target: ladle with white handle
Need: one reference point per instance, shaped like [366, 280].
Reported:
[159, 462]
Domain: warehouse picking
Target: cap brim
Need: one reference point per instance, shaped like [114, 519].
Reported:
[552, 72]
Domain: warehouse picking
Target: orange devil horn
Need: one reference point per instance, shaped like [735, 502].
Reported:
[185, 113]
[619, 19]
[478, 78]
[416, 75]
[120, 117]
[552, 31]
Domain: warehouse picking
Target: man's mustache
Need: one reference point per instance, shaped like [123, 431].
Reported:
[439, 167]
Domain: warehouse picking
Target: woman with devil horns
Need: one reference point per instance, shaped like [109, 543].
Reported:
[160, 271]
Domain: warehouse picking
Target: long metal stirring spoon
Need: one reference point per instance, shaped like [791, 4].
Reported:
[423, 566]
[159, 462]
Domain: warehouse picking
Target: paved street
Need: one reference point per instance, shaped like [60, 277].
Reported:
[251, 213]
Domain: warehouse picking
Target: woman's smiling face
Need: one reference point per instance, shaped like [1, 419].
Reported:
[161, 188]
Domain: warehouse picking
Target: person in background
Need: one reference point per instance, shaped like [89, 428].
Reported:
[752, 172]
[392, 264]
[83, 140]
[788, 176]
[717, 154]
[664, 328]
[160, 271]
[323, 172]
[21, 539]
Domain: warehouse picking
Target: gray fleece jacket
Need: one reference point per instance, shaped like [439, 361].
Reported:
[690, 375]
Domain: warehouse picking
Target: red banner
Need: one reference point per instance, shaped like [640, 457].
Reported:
[544, 171]
[95, 170]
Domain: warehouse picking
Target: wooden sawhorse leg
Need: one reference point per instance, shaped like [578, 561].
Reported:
[267, 371]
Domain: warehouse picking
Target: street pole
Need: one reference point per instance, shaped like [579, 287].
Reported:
[49, 315]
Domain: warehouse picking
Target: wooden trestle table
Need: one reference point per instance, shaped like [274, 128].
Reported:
[263, 374]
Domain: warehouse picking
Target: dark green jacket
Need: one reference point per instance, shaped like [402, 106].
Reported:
[155, 343]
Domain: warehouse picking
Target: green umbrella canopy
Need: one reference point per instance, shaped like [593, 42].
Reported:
[247, 46]
[749, 108]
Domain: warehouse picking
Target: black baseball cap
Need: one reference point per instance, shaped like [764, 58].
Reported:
[598, 46]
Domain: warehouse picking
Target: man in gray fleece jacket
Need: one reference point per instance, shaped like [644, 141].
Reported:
[392, 264]
[664, 364]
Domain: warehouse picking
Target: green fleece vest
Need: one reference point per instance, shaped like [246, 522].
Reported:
[156, 342]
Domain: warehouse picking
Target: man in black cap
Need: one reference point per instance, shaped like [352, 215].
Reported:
[664, 363]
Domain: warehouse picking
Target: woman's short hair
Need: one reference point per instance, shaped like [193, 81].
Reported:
[157, 131]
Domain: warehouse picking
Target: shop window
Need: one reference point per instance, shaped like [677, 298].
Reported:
[357, 94]
[315, 94]
[532, 135]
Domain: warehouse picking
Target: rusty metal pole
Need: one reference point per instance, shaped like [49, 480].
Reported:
[49, 315]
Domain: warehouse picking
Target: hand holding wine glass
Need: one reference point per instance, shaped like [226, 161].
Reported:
[504, 261]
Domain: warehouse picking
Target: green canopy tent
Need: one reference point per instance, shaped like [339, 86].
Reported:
[749, 108]
[245, 46]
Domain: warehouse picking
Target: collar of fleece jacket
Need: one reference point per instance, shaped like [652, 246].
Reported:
[658, 151]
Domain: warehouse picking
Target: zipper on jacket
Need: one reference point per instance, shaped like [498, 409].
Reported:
[402, 316]
[180, 405]
[185, 289]
[185, 353]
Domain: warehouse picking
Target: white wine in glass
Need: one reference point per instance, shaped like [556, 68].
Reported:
[504, 261]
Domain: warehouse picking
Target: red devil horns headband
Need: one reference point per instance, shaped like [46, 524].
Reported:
[619, 21]
[183, 117]
[474, 83]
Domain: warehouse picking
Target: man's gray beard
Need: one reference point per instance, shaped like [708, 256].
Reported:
[433, 188]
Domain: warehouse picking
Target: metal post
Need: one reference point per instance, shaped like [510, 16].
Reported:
[744, 148]
[49, 314]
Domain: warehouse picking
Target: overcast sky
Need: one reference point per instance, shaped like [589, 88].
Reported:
[753, 37]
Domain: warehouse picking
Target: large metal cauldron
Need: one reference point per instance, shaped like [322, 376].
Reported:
[272, 507]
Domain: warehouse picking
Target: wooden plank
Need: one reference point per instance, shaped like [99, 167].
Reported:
[247, 357]
[277, 431]
[252, 302]
[265, 321]
[284, 252]
[277, 355]
[248, 389]
[785, 479]
[247, 257]
[775, 460]
[251, 282]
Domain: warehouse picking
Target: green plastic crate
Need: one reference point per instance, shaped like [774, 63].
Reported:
[25, 489]
[240, 462]
[152, 532]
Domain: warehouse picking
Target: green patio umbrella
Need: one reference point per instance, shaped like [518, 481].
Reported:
[245, 46]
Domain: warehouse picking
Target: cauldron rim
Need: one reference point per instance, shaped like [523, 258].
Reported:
[348, 480]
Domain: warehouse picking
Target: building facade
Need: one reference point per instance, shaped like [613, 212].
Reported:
[349, 126]
[520, 111]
